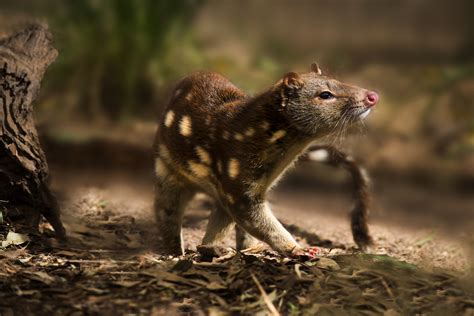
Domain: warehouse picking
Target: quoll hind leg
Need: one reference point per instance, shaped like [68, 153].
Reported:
[220, 223]
[171, 198]
[258, 220]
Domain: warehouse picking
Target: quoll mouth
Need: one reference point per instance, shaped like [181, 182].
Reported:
[364, 114]
[371, 99]
[358, 111]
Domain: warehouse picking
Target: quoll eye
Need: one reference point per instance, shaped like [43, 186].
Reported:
[326, 95]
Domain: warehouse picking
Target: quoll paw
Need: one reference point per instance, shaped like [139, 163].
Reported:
[310, 252]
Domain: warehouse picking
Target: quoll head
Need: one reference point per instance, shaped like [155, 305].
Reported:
[319, 105]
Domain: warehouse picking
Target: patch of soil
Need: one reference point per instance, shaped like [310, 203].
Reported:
[108, 267]
[74, 281]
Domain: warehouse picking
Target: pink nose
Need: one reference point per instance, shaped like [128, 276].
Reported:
[371, 98]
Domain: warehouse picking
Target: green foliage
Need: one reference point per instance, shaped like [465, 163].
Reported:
[459, 105]
[114, 52]
[389, 262]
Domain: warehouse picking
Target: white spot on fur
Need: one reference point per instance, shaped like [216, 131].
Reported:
[160, 168]
[185, 126]
[177, 93]
[208, 120]
[365, 175]
[198, 169]
[249, 132]
[164, 152]
[239, 136]
[189, 96]
[234, 168]
[169, 118]
[203, 155]
[318, 155]
[277, 135]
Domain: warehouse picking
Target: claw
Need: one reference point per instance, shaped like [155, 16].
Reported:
[310, 252]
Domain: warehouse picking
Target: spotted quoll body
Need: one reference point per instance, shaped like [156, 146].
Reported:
[215, 139]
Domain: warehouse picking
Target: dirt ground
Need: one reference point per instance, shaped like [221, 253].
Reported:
[418, 265]
[316, 214]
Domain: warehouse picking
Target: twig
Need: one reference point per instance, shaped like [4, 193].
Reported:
[298, 271]
[210, 264]
[101, 261]
[266, 299]
[387, 288]
[282, 296]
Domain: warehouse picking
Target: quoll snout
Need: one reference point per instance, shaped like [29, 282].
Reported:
[371, 98]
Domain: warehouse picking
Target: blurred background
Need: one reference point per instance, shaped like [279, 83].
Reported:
[118, 60]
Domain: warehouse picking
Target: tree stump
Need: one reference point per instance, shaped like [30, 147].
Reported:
[24, 190]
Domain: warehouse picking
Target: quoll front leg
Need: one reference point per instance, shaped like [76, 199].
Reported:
[257, 219]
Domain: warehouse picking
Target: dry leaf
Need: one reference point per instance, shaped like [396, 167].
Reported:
[326, 263]
[14, 239]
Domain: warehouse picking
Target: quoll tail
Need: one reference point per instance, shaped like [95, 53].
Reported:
[360, 212]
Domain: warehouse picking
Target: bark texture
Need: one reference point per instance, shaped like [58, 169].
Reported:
[24, 191]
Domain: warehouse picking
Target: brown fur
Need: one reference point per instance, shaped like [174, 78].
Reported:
[214, 138]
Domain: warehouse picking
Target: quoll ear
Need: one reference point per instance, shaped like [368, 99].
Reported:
[292, 81]
[315, 68]
[291, 84]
